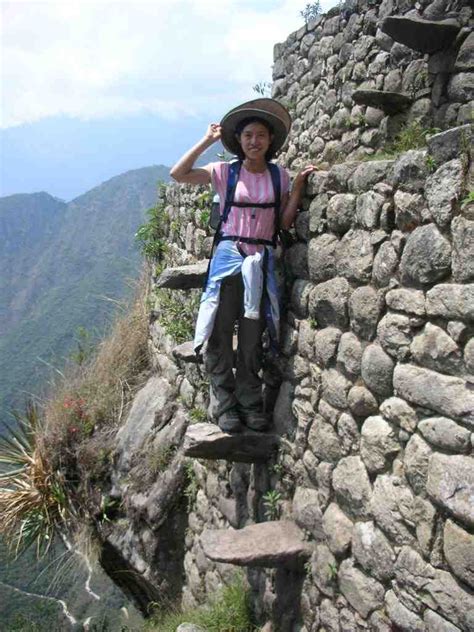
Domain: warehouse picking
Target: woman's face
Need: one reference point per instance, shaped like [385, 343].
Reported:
[255, 140]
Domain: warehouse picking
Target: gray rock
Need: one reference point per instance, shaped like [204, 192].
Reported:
[410, 171]
[451, 301]
[322, 257]
[352, 486]
[443, 189]
[349, 433]
[435, 623]
[189, 627]
[183, 277]
[335, 388]
[365, 306]
[394, 334]
[426, 257]
[425, 36]
[465, 58]
[329, 413]
[417, 456]
[461, 87]
[400, 413]
[469, 356]
[329, 616]
[349, 355]
[385, 265]
[307, 511]
[463, 249]
[296, 259]
[267, 544]
[207, 441]
[317, 212]
[306, 337]
[434, 349]
[377, 370]
[457, 330]
[326, 342]
[185, 353]
[401, 616]
[369, 173]
[364, 594]
[458, 548]
[339, 175]
[447, 395]
[323, 480]
[390, 102]
[451, 485]
[408, 301]
[361, 401]
[392, 506]
[323, 440]
[355, 255]
[372, 550]
[420, 582]
[449, 144]
[338, 529]
[378, 444]
[299, 297]
[444, 433]
[410, 210]
[340, 212]
[284, 421]
[322, 563]
[302, 225]
[328, 303]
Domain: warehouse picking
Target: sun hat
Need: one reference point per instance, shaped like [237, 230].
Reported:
[268, 109]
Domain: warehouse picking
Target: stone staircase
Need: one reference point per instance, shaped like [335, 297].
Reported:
[183, 277]
[389, 102]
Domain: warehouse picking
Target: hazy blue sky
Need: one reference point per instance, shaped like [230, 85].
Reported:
[92, 89]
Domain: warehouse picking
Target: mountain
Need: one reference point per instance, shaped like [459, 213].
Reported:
[60, 263]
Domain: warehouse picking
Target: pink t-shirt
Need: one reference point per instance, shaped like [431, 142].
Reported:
[257, 223]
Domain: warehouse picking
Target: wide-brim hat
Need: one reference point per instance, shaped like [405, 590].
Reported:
[267, 109]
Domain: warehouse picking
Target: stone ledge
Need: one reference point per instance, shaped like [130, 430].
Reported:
[183, 277]
[185, 353]
[425, 36]
[389, 102]
[207, 441]
[267, 544]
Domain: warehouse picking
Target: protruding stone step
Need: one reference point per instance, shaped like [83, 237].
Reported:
[185, 353]
[207, 441]
[389, 102]
[426, 36]
[183, 277]
[267, 544]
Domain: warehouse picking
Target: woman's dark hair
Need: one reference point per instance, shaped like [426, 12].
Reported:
[239, 128]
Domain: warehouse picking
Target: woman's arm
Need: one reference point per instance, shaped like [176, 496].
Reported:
[183, 170]
[290, 203]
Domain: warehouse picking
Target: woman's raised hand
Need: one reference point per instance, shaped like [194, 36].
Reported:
[303, 174]
[213, 132]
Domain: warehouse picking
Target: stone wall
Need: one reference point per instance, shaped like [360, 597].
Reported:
[374, 389]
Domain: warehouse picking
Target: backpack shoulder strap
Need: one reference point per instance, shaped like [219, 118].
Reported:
[276, 182]
[233, 178]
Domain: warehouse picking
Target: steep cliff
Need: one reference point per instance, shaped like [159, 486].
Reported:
[355, 512]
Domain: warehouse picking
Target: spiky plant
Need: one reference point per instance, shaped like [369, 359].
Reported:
[32, 499]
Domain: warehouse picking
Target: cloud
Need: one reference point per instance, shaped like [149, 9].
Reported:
[107, 59]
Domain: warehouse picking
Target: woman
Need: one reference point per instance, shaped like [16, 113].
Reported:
[241, 285]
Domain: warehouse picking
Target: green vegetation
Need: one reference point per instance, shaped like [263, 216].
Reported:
[152, 234]
[411, 136]
[177, 313]
[311, 11]
[159, 459]
[228, 611]
[469, 199]
[271, 502]
[263, 88]
[197, 415]
[332, 570]
[191, 485]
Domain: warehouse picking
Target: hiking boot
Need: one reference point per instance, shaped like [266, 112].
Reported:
[230, 421]
[256, 420]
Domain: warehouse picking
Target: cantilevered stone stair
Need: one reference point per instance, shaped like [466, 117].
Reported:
[185, 353]
[266, 544]
[425, 36]
[207, 441]
[183, 277]
[389, 102]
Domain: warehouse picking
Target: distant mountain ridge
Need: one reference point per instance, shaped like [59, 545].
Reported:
[57, 260]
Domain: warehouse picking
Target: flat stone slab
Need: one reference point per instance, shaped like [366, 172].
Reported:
[267, 544]
[426, 36]
[207, 441]
[185, 353]
[183, 277]
[389, 102]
